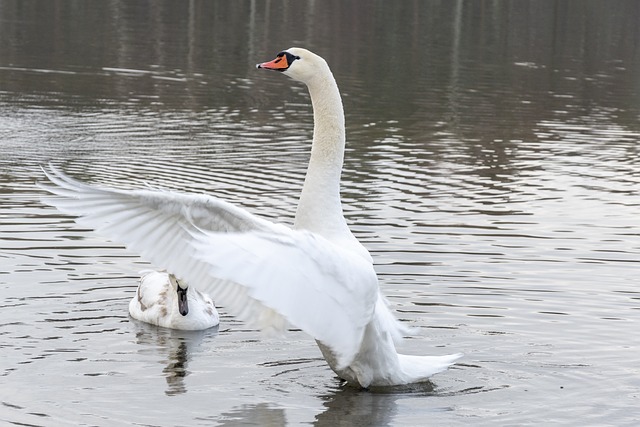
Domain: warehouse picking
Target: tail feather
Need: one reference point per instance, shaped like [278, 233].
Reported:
[417, 368]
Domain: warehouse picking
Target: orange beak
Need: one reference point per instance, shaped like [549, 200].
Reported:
[279, 64]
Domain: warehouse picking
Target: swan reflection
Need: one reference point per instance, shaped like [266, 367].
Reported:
[346, 406]
[261, 414]
[176, 347]
[374, 407]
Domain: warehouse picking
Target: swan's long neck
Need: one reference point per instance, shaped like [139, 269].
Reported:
[319, 209]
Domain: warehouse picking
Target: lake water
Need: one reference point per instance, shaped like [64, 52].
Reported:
[492, 169]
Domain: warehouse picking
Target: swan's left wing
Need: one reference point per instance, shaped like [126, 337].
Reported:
[269, 272]
[144, 209]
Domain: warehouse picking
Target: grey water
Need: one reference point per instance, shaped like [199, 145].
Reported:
[492, 169]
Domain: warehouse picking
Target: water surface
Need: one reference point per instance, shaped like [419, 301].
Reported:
[492, 170]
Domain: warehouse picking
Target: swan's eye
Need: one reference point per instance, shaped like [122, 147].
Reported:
[290, 57]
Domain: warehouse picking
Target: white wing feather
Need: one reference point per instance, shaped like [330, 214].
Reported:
[269, 272]
[326, 291]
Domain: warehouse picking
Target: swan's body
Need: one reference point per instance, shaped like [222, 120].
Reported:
[163, 300]
[316, 276]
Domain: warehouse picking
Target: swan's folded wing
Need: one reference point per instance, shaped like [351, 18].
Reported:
[326, 291]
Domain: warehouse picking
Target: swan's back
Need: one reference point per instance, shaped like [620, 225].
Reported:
[156, 302]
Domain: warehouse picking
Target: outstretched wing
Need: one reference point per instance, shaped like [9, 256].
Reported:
[259, 270]
[326, 291]
[139, 207]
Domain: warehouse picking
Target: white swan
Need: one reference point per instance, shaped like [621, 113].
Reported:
[164, 300]
[316, 276]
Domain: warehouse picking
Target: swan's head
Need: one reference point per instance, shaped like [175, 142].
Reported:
[181, 289]
[297, 63]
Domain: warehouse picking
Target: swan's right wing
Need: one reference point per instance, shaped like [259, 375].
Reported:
[325, 290]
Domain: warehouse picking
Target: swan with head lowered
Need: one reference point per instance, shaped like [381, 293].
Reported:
[164, 300]
[315, 276]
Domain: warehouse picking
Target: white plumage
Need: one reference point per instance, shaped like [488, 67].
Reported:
[157, 301]
[316, 276]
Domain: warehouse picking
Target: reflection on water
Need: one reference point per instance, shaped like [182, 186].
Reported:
[492, 169]
[361, 408]
[352, 407]
[176, 347]
[260, 414]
